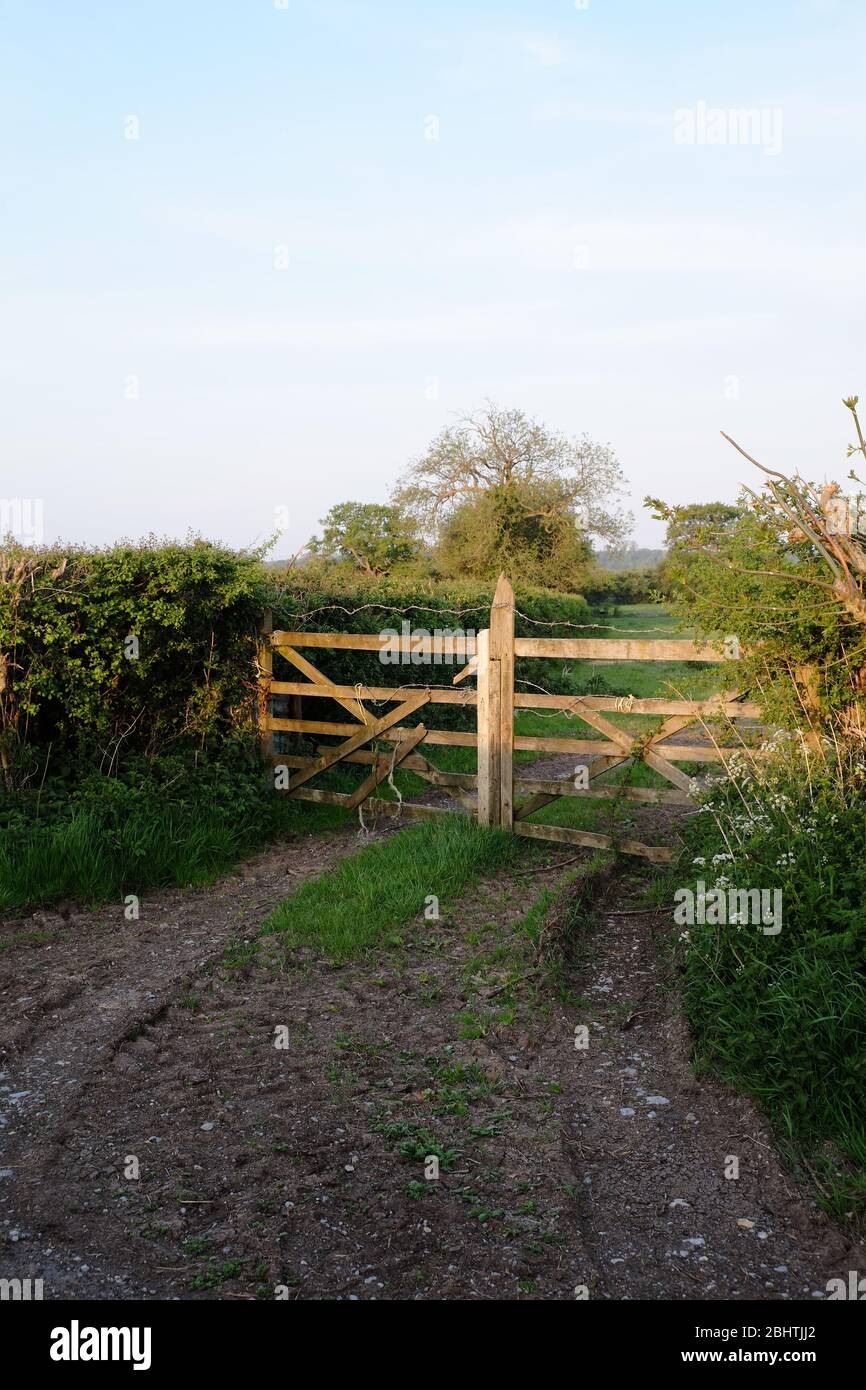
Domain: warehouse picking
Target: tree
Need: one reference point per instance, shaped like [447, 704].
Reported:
[492, 533]
[373, 536]
[687, 525]
[690, 528]
[536, 488]
[785, 571]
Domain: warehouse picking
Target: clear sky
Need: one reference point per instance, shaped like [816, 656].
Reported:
[342, 223]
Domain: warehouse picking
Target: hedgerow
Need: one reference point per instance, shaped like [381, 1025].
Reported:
[152, 646]
[138, 646]
[782, 1012]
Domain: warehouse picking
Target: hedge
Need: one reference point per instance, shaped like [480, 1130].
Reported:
[150, 647]
[139, 645]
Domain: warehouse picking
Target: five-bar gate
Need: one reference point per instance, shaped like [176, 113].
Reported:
[500, 798]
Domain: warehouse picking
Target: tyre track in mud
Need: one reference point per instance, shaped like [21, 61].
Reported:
[93, 981]
[651, 1144]
[274, 1162]
[353, 1230]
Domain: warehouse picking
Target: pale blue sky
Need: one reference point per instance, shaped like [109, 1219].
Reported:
[555, 248]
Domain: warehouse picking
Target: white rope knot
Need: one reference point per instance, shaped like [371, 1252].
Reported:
[358, 688]
[395, 789]
[624, 704]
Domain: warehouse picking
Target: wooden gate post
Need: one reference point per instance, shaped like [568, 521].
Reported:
[495, 648]
[488, 732]
[265, 676]
[807, 684]
[502, 650]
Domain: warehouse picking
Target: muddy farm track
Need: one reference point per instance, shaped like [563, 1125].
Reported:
[303, 1168]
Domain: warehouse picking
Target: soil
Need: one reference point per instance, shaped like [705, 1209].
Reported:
[301, 1171]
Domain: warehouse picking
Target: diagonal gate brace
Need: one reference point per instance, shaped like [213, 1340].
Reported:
[364, 734]
[355, 708]
[385, 765]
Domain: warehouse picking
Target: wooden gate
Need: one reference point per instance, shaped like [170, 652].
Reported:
[366, 728]
[501, 798]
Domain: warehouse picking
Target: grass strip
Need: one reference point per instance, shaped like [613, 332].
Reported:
[358, 904]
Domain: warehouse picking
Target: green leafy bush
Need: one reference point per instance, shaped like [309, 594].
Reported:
[135, 646]
[604, 588]
[784, 1014]
[742, 571]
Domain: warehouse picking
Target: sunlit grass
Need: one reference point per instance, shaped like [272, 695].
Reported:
[368, 898]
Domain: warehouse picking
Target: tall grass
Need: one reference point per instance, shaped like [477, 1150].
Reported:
[109, 839]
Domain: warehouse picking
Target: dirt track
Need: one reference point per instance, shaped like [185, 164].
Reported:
[303, 1168]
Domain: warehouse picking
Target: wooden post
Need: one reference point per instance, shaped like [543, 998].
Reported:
[502, 651]
[808, 682]
[495, 660]
[265, 676]
[488, 732]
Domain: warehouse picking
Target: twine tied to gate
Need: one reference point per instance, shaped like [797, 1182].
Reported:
[365, 830]
[624, 703]
[358, 688]
[393, 785]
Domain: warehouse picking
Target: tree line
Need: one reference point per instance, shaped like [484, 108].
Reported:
[495, 491]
